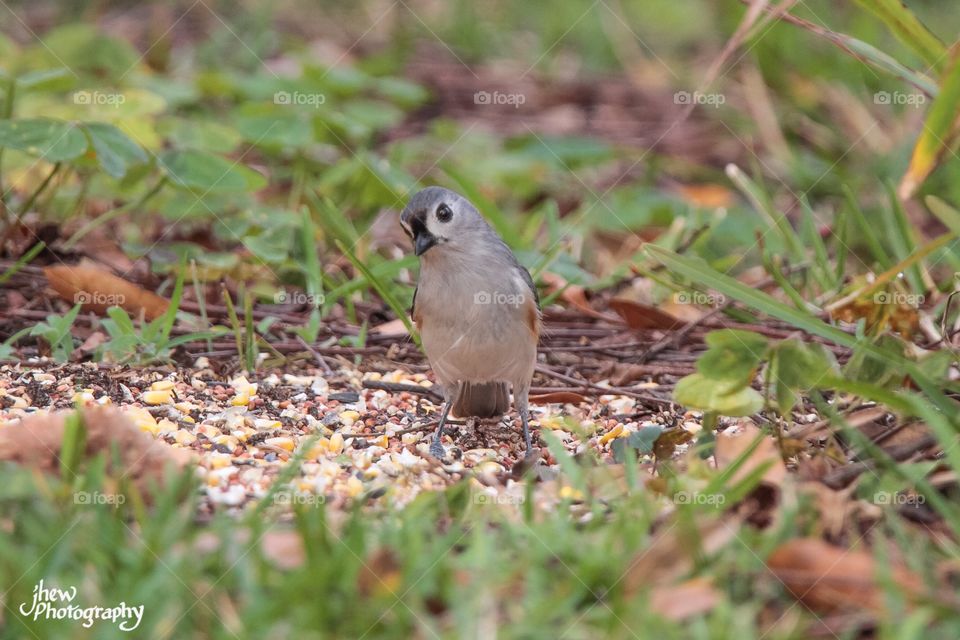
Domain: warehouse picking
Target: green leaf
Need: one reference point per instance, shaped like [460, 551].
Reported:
[733, 356]
[798, 366]
[275, 127]
[707, 394]
[908, 29]
[206, 172]
[642, 440]
[938, 133]
[44, 79]
[53, 140]
[115, 151]
[949, 216]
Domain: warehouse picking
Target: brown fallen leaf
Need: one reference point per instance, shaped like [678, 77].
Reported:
[97, 289]
[829, 578]
[559, 397]
[36, 442]
[643, 316]
[708, 196]
[284, 547]
[391, 328]
[574, 295]
[674, 550]
[731, 446]
[685, 600]
[380, 574]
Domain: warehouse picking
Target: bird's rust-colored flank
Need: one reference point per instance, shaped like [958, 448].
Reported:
[532, 317]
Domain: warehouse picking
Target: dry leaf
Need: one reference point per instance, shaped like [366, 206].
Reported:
[644, 316]
[687, 599]
[560, 397]
[380, 574]
[708, 196]
[97, 290]
[829, 578]
[730, 446]
[572, 294]
[672, 552]
[36, 442]
[284, 547]
[393, 327]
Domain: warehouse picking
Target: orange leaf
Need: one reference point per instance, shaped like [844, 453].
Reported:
[678, 602]
[730, 447]
[561, 397]
[97, 290]
[828, 578]
[644, 316]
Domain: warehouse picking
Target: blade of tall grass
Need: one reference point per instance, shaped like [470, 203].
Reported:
[908, 29]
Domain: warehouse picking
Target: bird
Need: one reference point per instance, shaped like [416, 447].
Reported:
[476, 308]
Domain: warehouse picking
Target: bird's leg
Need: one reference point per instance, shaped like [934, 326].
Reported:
[520, 399]
[526, 432]
[436, 449]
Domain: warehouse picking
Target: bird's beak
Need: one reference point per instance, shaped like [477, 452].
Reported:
[416, 228]
[423, 241]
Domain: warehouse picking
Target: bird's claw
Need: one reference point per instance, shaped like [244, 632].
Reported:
[436, 449]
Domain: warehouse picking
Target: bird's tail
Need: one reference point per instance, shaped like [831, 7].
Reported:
[482, 400]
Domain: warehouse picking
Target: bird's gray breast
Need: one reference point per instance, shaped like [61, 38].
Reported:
[473, 319]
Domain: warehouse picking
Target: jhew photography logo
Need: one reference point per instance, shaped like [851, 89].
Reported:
[54, 604]
[498, 298]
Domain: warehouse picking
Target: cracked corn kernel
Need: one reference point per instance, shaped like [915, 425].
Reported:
[162, 385]
[158, 397]
[611, 435]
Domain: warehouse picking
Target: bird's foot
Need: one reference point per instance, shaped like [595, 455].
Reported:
[436, 449]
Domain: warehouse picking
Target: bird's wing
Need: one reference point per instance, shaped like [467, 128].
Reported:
[529, 280]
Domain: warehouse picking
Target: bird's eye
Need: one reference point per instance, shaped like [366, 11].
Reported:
[444, 213]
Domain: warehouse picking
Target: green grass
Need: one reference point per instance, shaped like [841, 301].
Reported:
[447, 565]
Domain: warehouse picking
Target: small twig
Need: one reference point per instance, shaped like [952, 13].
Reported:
[586, 384]
[400, 387]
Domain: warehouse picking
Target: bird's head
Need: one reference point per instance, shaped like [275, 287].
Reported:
[442, 220]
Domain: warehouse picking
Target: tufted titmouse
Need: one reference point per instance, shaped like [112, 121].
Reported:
[476, 308]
